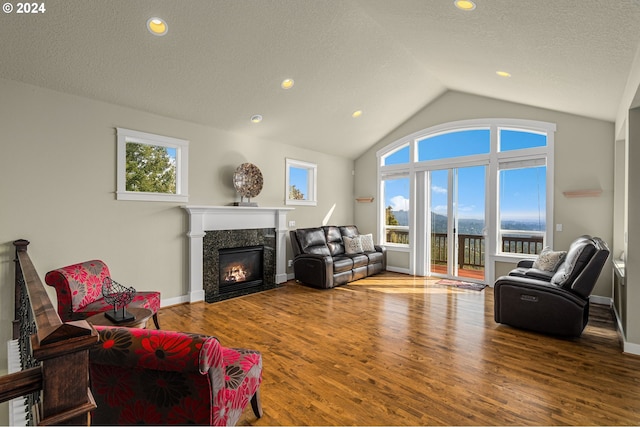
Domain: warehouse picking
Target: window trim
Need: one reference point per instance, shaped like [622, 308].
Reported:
[312, 182]
[182, 166]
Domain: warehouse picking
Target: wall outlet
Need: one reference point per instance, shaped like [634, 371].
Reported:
[290, 263]
[292, 223]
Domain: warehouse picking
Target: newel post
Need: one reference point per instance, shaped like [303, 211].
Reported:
[62, 349]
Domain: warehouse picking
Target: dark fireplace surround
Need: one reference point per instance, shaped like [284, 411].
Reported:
[230, 242]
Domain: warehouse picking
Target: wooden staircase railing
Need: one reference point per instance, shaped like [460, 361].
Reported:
[54, 354]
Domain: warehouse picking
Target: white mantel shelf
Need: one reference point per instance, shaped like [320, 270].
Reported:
[208, 218]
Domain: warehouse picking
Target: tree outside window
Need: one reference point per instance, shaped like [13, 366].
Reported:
[150, 168]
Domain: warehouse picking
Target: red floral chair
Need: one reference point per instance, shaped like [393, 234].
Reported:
[141, 376]
[79, 291]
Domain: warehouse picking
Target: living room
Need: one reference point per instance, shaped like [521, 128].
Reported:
[59, 128]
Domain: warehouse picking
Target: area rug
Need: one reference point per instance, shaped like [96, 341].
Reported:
[461, 285]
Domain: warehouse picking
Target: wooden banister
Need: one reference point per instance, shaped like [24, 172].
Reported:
[60, 350]
[20, 383]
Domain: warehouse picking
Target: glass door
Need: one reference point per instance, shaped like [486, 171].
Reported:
[457, 222]
[439, 237]
[470, 229]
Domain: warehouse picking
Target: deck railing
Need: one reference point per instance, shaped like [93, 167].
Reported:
[54, 355]
[471, 247]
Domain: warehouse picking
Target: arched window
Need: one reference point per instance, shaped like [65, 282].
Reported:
[488, 180]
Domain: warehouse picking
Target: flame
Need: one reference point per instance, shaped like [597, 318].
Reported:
[236, 273]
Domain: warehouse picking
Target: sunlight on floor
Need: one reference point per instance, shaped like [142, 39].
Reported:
[423, 285]
[404, 290]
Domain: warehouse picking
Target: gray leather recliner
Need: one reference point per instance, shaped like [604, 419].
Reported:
[555, 304]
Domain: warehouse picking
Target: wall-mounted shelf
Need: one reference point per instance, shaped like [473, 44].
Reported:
[364, 199]
[583, 193]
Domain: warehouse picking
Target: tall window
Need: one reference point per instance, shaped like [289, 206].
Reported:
[518, 157]
[522, 209]
[396, 211]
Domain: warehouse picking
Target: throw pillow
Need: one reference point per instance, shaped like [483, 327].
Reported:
[549, 260]
[367, 242]
[352, 245]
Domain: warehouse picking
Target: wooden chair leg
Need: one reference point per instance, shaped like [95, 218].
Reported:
[155, 320]
[256, 404]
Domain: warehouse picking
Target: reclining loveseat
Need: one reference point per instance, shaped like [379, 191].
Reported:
[330, 256]
[552, 297]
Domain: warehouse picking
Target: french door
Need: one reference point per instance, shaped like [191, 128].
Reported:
[456, 201]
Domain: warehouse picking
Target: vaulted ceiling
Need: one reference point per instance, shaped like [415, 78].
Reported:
[222, 61]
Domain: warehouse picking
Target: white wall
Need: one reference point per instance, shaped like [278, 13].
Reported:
[58, 178]
[584, 159]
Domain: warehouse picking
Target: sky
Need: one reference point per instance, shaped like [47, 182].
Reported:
[299, 178]
[522, 191]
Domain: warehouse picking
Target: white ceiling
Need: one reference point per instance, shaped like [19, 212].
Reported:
[222, 61]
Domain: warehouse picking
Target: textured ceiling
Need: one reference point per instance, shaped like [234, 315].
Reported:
[222, 60]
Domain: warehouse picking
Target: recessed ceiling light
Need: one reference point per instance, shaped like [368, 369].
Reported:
[157, 26]
[287, 84]
[257, 118]
[464, 4]
[503, 73]
[356, 114]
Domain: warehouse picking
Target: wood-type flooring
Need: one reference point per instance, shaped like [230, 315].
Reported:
[394, 349]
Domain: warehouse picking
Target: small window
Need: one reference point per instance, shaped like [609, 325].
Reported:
[301, 183]
[397, 157]
[454, 144]
[517, 139]
[151, 167]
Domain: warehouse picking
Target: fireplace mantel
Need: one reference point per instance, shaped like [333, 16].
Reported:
[208, 218]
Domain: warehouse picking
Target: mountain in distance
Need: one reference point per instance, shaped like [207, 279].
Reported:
[469, 226]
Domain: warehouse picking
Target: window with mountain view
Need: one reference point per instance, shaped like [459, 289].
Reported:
[522, 209]
[486, 180]
[396, 212]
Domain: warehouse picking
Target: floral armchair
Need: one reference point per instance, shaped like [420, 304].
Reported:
[141, 376]
[79, 291]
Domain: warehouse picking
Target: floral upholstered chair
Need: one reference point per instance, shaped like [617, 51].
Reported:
[79, 291]
[141, 376]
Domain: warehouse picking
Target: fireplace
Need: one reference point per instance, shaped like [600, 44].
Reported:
[240, 268]
[212, 228]
[238, 262]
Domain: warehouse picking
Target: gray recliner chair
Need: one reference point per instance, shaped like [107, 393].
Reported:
[555, 302]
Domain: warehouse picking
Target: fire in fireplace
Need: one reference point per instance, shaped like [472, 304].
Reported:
[240, 268]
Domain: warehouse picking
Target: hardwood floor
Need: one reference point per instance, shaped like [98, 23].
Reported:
[397, 350]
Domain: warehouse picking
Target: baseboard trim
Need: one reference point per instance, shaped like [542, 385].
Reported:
[627, 347]
[398, 270]
[595, 299]
[166, 302]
